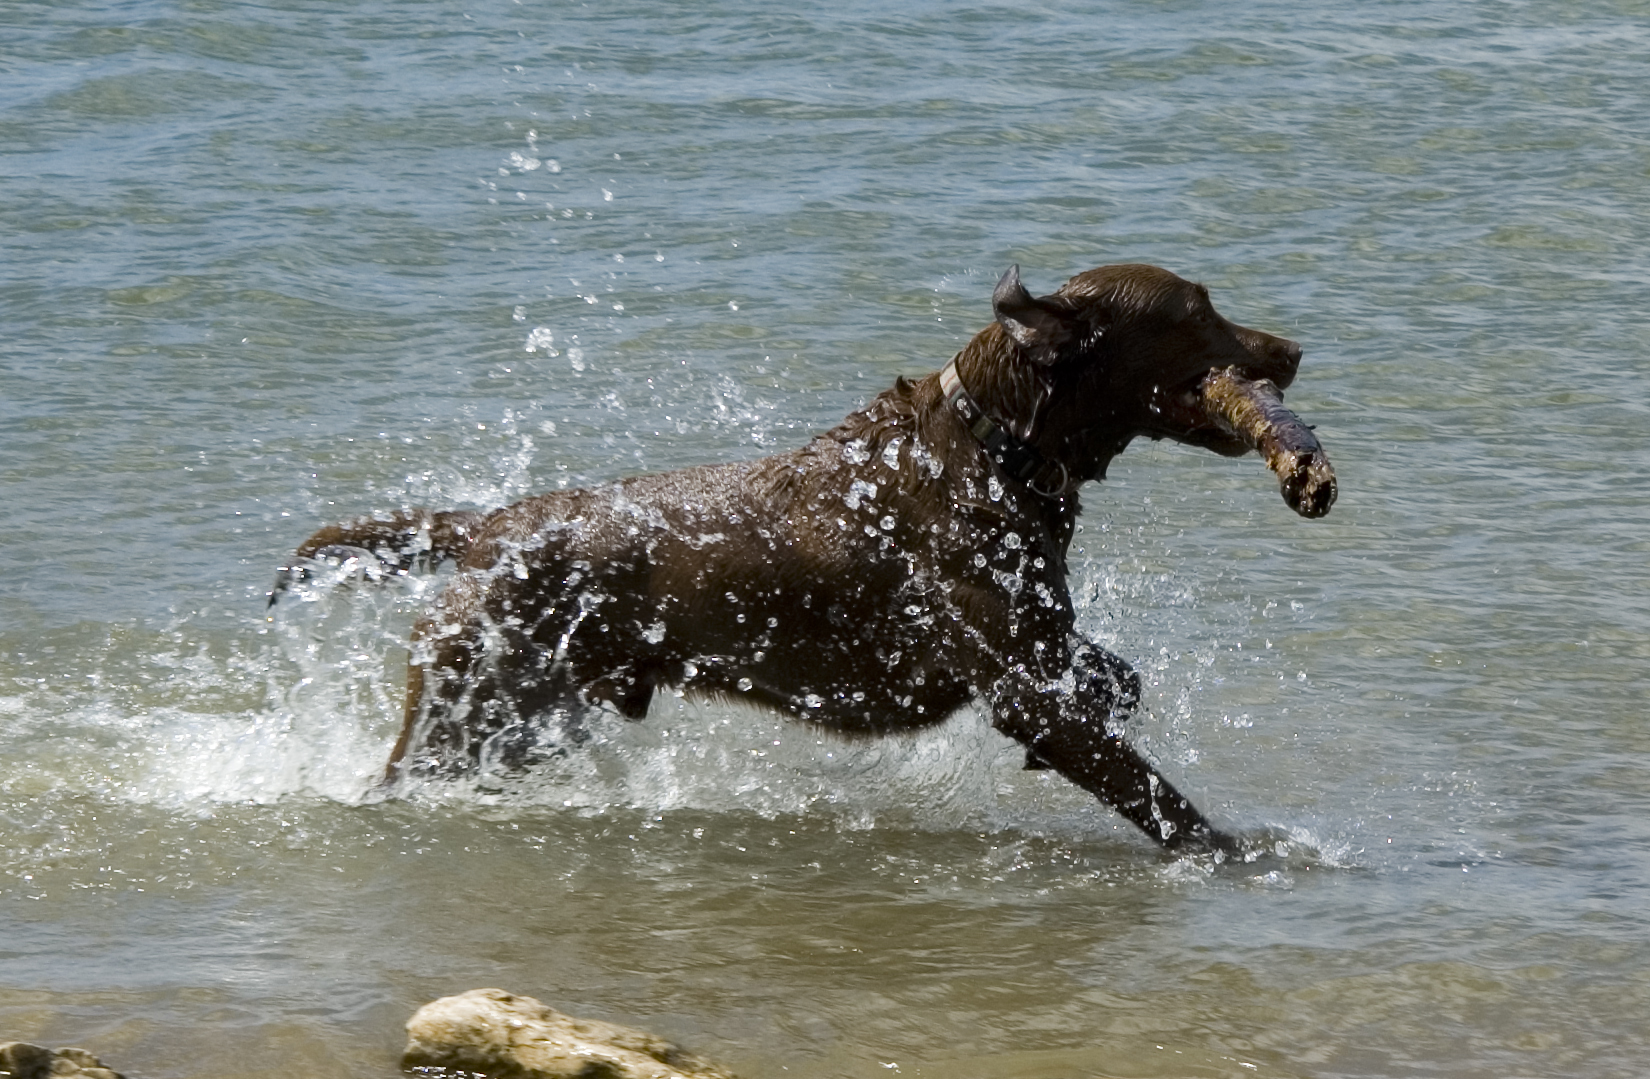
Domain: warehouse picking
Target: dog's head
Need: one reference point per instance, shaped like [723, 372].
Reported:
[1119, 351]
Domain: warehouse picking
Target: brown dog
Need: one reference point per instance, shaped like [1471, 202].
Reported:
[899, 566]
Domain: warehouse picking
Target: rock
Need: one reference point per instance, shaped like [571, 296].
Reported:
[510, 1037]
[20, 1060]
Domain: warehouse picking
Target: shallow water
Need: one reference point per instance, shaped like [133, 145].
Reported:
[272, 265]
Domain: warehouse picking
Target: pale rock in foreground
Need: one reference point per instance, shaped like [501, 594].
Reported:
[510, 1037]
[20, 1060]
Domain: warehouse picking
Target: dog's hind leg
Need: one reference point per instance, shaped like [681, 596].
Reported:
[446, 648]
[496, 681]
[384, 546]
[1065, 728]
[477, 697]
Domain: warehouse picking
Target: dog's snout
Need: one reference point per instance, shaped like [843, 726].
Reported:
[1280, 354]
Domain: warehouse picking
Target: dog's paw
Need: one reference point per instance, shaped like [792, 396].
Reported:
[1274, 847]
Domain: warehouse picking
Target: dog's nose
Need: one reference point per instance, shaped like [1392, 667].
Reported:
[1287, 353]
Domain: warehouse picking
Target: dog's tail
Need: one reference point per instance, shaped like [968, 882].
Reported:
[383, 546]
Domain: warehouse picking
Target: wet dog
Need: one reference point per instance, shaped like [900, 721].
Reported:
[900, 566]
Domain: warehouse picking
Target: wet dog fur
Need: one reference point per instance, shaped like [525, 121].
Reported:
[878, 579]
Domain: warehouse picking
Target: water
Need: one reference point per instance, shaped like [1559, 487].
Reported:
[272, 265]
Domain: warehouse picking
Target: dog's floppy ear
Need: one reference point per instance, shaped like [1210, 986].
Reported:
[1038, 327]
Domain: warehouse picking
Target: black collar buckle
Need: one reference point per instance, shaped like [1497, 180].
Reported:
[1043, 477]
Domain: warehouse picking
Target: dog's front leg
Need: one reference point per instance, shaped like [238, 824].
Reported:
[1062, 724]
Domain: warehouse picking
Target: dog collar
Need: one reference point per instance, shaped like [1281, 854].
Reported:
[1046, 478]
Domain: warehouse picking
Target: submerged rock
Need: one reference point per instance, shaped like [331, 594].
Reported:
[20, 1060]
[509, 1037]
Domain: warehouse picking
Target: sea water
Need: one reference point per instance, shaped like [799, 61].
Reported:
[267, 266]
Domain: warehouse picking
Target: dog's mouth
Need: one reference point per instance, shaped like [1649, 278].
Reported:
[1231, 412]
[1182, 414]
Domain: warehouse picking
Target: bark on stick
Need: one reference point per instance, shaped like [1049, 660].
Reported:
[1254, 412]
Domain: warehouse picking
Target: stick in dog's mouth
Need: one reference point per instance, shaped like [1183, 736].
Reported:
[1253, 411]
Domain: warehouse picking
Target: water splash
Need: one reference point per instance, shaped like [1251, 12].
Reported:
[308, 705]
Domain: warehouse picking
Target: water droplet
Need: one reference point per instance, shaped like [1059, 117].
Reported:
[994, 487]
[1012, 541]
[745, 685]
[887, 522]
